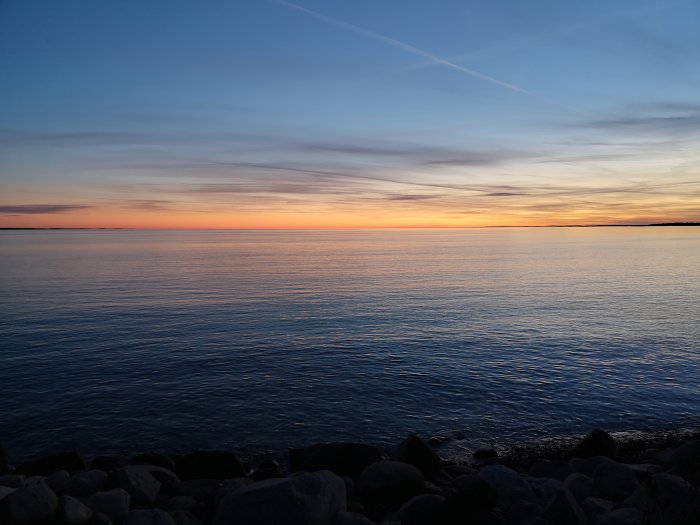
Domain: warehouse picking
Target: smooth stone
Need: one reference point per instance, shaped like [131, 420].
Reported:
[390, 482]
[202, 490]
[180, 503]
[108, 463]
[545, 488]
[74, 511]
[183, 517]
[167, 478]
[112, 503]
[565, 509]
[458, 470]
[352, 518]
[138, 481]
[615, 481]
[154, 458]
[5, 491]
[545, 468]
[685, 462]
[305, 499]
[32, 504]
[515, 495]
[101, 519]
[414, 451]
[596, 507]
[12, 480]
[422, 510]
[47, 465]
[483, 453]
[596, 443]
[589, 465]
[580, 485]
[344, 459]
[644, 470]
[667, 500]
[148, 517]
[86, 484]
[627, 516]
[212, 464]
[58, 481]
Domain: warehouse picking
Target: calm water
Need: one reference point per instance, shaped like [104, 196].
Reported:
[259, 340]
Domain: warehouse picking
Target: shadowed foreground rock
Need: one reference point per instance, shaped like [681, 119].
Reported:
[581, 486]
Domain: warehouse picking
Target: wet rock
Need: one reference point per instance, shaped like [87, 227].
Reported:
[580, 486]
[614, 481]
[390, 482]
[181, 503]
[154, 458]
[596, 443]
[589, 465]
[565, 509]
[112, 503]
[211, 464]
[352, 518]
[86, 484]
[202, 490]
[515, 495]
[12, 480]
[414, 451]
[596, 507]
[58, 481]
[305, 499]
[32, 504]
[544, 468]
[182, 517]
[344, 459]
[484, 453]
[267, 469]
[422, 510]
[108, 463]
[644, 470]
[138, 481]
[545, 489]
[47, 465]
[667, 500]
[4, 492]
[458, 470]
[148, 517]
[625, 516]
[468, 495]
[74, 512]
[685, 462]
[167, 478]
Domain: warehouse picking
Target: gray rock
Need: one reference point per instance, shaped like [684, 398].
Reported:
[183, 517]
[58, 481]
[615, 481]
[5, 491]
[167, 478]
[148, 517]
[154, 458]
[74, 512]
[685, 462]
[627, 516]
[32, 504]
[422, 510]
[108, 463]
[12, 480]
[588, 466]
[345, 459]
[181, 503]
[390, 482]
[596, 507]
[644, 470]
[596, 443]
[305, 499]
[211, 464]
[667, 500]
[565, 509]
[515, 495]
[544, 468]
[47, 465]
[414, 451]
[86, 483]
[112, 503]
[138, 481]
[101, 519]
[545, 489]
[580, 486]
[352, 518]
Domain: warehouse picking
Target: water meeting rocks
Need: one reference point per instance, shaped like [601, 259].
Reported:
[390, 482]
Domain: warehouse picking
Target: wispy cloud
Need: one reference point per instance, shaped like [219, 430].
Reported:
[35, 209]
[399, 45]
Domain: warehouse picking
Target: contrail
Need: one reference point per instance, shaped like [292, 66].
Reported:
[399, 45]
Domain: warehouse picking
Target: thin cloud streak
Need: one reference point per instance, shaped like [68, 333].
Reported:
[36, 209]
[399, 45]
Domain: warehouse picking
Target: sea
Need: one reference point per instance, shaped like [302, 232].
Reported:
[124, 341]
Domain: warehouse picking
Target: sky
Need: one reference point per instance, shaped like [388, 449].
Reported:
[362, 113]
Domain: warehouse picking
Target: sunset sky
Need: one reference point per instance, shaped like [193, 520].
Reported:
[362, 113]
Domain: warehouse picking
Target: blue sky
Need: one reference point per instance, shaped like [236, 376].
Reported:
[328, 113]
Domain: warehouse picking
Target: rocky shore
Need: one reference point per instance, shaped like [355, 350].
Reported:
[599, 480]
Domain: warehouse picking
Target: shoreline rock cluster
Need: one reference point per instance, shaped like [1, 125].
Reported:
[592, 483]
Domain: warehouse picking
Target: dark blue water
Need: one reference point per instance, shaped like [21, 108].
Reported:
[118, 341]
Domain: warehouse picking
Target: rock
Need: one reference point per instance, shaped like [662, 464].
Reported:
[202, 490]
[596, 443]
[544, 468]
[167, 478]
[211, 464]
[626, 516]
[489, 518]
[589, 465]
[4, 492]
[352, 518]
[112, 503]
[483, 453]
[515, 495]
[12, 480]
[685, 462]
[390, 482]
[181, 503]
[615, 481]
[58, 481]
[32, 504]
[266, 470]
[667, 500]
[580, 486]
[108, 463]
[414, 451]
[138, 481]
[345, 459]
[182, 517]
[306, 499]
[564, 509]
[155, 459]
[469, 494]
[148, 517]
[644, 470]
[545, 489]
[596, 507]
[86, 484]
[4, 462]
[422, 510]
[100, 519]
[458, 470]
[74, 512]
[47, 465]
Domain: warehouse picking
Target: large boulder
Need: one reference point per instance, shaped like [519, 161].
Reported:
[615, 481]
[47, 465]
[564, 508]
[12, 480]
[86, 484]
[468, 495]
[74, 511]
[154, 458]
[305, 499]
[390, 482]
[685, 462]
[112, 503]
[211, 464]
[624, 516]
[108, 463]
[596, 443]
[58, 481]
[138, 481]
[344, 459]
[545, 468]
[425, 509]
[580, 486]
[515, 495]
[667, 500]
[148, 517]
[415, 451]
[32, 504]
